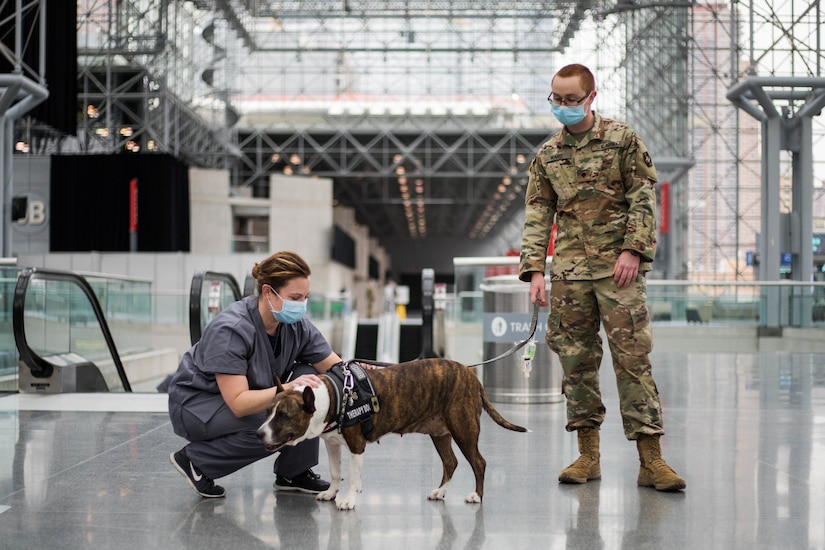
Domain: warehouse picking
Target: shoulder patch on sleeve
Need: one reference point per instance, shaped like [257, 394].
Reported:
[647, 159]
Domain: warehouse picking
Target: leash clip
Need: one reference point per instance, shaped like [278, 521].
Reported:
[349, 381]
[527, 358]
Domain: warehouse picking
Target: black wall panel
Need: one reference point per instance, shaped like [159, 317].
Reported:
[89, 203]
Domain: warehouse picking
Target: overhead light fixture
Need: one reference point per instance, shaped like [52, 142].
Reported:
[295, 159]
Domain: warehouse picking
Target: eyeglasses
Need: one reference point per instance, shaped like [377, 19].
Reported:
[556, 100]
[271, 288]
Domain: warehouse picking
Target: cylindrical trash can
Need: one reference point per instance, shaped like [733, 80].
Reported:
[507, 317]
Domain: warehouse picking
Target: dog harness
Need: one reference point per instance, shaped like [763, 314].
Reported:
[355, 397]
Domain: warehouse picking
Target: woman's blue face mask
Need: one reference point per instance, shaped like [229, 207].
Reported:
[292, 311]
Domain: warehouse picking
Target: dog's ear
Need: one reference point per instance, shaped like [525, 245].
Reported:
[309, 400]
[278, 385]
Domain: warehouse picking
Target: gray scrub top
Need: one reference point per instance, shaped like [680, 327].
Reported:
[235, 342]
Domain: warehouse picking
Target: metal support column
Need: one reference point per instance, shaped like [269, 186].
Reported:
[19, 94]
[790, 129]
[770, 250]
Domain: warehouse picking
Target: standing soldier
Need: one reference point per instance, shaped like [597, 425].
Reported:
[595, 179]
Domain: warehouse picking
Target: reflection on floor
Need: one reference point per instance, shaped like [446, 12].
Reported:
[93, 471]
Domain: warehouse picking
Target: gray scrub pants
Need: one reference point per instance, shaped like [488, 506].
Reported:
[227, 443]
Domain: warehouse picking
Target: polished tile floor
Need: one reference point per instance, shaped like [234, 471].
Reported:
[92, 471]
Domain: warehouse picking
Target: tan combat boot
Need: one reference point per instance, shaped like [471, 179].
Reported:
[654, 471]
[586, 467]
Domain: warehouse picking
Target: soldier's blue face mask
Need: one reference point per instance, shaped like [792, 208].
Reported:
[568, 111]
[569, 116]
[291, 311]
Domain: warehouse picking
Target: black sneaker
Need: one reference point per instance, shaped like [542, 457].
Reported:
[308, 482]
[202, 484]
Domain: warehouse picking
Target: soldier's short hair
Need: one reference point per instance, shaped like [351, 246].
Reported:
[584, 74]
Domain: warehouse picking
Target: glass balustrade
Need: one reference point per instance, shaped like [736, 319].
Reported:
[59, 319]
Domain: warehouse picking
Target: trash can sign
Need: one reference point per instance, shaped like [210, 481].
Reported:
[511, 327]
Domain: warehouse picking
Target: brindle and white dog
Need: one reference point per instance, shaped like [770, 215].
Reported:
[438, 397]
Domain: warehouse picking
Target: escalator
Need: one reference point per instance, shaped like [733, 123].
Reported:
[209, 293]
[62, 336]
[65, 342]
[249, 285]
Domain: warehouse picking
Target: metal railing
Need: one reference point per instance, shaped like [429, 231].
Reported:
[779, 304]
[8, 351]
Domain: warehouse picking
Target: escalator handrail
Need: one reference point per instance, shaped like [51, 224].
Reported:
[250, 285]
[28, 355]
[195, 294]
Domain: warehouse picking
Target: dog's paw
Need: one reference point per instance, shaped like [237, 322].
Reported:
[473, 498]
[329, 494]
[437, 494]
[345, 503]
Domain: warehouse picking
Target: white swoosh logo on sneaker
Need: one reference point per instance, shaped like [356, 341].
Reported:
[195, 475]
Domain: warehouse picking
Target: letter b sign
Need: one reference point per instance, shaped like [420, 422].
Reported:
[27, 211]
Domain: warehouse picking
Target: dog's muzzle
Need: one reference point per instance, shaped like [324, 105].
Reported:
[264, 435]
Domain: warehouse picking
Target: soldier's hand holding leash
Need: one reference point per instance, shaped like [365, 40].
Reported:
[538, 289]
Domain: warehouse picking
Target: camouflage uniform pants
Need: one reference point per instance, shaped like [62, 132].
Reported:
[576, 310]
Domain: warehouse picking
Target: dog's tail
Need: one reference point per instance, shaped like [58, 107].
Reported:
[496, 416]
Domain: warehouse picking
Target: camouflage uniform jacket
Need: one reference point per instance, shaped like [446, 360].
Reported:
[600, 190]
